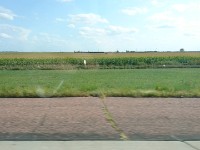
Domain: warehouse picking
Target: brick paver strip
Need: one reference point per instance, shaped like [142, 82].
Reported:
[157, 118]
[54, 119]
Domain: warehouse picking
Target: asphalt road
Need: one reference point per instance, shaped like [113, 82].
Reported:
[99, 119]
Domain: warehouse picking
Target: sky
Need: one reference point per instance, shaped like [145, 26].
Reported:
[99, 25]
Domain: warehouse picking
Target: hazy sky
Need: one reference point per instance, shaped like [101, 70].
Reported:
[99, 25]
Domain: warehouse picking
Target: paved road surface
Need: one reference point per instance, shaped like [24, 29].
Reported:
[97, 119]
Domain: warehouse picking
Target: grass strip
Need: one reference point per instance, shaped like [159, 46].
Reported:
[100, 83]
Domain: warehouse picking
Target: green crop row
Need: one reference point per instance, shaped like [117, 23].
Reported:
[74, 63]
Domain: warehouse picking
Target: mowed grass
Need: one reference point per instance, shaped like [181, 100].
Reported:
[101, 83]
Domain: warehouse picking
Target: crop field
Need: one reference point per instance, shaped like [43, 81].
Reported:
[184, 82]
[47, 55]
[70, 61]
[172, 74]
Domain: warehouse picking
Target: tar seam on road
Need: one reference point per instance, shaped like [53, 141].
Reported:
[188, 144]
[109, 118]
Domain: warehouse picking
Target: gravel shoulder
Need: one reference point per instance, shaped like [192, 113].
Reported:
[85, 118]
[54, 119]
[157, 118]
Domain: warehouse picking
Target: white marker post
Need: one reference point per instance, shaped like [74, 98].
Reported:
[85, 63]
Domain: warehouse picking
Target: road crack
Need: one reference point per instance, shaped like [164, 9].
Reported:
[42, 120]
[41, 123]
[185, 142]
[109, 118]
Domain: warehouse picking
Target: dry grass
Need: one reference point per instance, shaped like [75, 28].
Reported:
[95, 55]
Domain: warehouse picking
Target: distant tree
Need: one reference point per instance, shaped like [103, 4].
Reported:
[182, 50]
